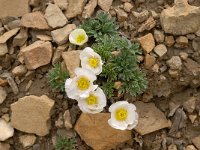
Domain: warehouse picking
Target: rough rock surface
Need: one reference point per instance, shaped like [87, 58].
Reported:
[60, 36]
[96, 132]
[6, 36]
[147, 42]
[62, 4]
[37, 54]
[196, 142]
[27, 140]
[32, 111]
[89, 9]
[54, 16]
[180, 19]
[3, 49]
[72, 60]
[105, 4]
[75, 7]
[14, 8]
[150, 118]
[3, 95]
[160, 50]
[6, 130]
[34, 20]
[4, 146]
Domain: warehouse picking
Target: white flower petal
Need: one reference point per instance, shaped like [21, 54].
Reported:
[132, 117]
[75, 33]
[85, 55]
[116, 105]
[84, 72]
[117, 125]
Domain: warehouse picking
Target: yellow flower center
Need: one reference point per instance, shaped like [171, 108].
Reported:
[80, 38]
[93, 62]
[92, 99]
[83, 83]
[121, 114]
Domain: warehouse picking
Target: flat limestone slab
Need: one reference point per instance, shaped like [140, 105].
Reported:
[15, 8]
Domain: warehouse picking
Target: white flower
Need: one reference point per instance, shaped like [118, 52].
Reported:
[78, 37]
[94, 103]
[123, 115]
[81, 85]
[91, 60]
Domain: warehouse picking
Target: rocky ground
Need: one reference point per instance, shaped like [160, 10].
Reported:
[34, 36]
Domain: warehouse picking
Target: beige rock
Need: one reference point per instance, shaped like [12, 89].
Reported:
[3, 95]
[196, 142]
[183, 55]
[190, 104]
[6, 36]
[89, 9]
[180, 19]
[192, 118]
[14, 8]
[3, 49]
[67, 120]
[4, 146]
[63, 4]
[159, 36]
[148, 25]
[6, 130]
[190, 147]
[160, 50]
[60, 36]
[149, 61]
[127, 7]
[169, 40]
[37, 54]
[142, 16]
[58, 54]
[147, 42]
[172, 147]
[27, 140]
[175, 63]
[72, 60]
[54, 16]
[44, 37]
[31, 114]
[192, 66]
[182, 41]
[150, 118]
[121, 15]
[105, 4]
[34, 20]
[96, 132]
[20, 38]
[75, 7]
[19, 70]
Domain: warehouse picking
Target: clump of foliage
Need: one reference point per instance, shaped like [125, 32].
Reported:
[57, 77]
[63, 143]
[100, 25]
[119, 56]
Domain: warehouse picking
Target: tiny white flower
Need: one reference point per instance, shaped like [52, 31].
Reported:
[94, 103]
[78, 37]
[123, 115]
[91, 60]
[81, 85]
